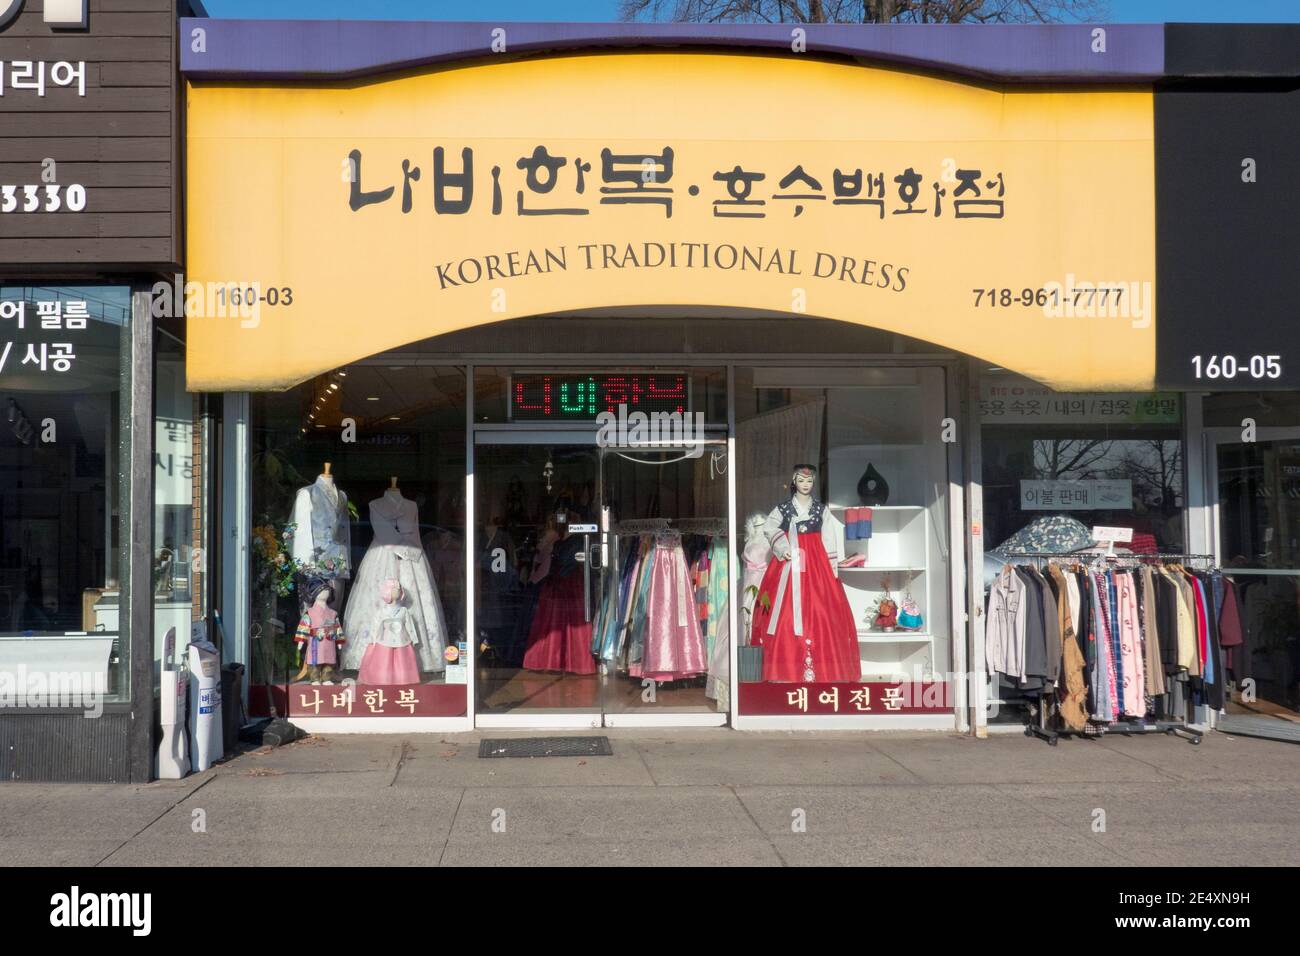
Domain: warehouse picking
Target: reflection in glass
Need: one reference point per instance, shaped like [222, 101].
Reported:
[61, 464]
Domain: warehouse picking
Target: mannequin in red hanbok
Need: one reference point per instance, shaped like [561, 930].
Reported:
[802, 619]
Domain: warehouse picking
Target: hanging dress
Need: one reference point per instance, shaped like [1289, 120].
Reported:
[718, 685]
[673, 645]
[559, 638]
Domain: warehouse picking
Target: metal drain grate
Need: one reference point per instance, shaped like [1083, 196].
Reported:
[546, 747]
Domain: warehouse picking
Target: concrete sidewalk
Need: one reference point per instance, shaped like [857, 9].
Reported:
[687, 797]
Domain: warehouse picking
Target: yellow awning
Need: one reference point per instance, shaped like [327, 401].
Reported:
[1014, 225]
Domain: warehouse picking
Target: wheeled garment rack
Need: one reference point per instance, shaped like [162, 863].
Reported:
[1130, 727]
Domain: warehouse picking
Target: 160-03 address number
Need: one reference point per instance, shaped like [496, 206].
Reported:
[1230, 367]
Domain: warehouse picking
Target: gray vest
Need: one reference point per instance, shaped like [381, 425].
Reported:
[331, 531]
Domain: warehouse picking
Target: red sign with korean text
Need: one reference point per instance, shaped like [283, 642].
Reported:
[759, 699]
[361, 700]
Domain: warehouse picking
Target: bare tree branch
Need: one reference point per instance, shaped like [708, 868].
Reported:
[864, 11]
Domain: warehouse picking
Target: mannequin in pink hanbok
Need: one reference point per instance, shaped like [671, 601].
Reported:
[390, 655]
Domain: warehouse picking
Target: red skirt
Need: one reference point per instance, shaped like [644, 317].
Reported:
[828, 649]
[559, 639]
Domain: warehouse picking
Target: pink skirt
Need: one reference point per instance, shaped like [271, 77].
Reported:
[674, 646]
[385, 666]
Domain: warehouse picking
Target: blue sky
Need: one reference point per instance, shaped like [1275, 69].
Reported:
[1121, 11]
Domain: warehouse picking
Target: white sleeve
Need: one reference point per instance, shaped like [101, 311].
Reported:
[775, 536]
[995, 629]
[302, 540]
[833, 539]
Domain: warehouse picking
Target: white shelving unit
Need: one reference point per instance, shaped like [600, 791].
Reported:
[899, 550]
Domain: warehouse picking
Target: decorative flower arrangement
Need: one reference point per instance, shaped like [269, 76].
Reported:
[273, 567]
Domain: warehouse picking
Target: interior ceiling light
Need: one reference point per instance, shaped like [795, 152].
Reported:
[334, 386]
[372, 398]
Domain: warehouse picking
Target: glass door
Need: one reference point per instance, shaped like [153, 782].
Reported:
[601, 581]
[1257, 542]
[538, 578]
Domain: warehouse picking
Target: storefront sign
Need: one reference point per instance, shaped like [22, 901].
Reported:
[438, 202]
[770, 699]
[31, 323]
[358, 700]
[1237, 299]
[1024, 402]
[1085, 495]
[90, 179]
[582, 396]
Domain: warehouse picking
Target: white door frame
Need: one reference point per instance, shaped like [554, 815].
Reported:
[519, 433]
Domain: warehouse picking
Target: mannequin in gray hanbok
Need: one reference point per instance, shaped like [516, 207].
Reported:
[322, 538]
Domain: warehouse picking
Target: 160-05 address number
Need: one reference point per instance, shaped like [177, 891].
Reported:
[1230, 367]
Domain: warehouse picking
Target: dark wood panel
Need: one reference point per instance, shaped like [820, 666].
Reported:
[121, 141]
[67, 149]
[83, 251]
[89, 174]
[76, 225]
[62, 99]
[135, 74]
[115, 6]
[92, 49]
[144, 199]
[110, 23]
[143, 6]
[88, 124]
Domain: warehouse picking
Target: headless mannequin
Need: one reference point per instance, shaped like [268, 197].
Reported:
[322, 537]
[318, 637]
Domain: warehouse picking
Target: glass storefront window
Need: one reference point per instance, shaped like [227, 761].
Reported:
[64, 449]
[176, 565]
[358, 544]
[842, 491]
[1057, 464]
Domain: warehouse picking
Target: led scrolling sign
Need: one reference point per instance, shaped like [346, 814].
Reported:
[581, 396]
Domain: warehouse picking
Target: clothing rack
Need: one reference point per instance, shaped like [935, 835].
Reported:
[640, 526]
[1127, 727]
[707, 526]
[1104, 557]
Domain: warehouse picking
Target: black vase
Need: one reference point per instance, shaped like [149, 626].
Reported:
[873, 490]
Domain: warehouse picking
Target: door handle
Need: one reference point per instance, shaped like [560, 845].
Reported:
[586, 578]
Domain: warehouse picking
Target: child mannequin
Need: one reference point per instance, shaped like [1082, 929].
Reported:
[390, 656]
[318, 637]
